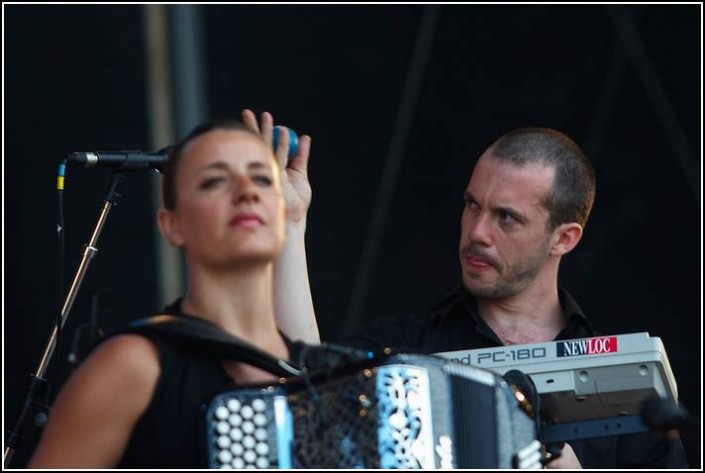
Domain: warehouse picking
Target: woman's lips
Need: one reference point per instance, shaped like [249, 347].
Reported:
[246, 220]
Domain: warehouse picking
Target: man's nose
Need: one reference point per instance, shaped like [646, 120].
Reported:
[480, 230]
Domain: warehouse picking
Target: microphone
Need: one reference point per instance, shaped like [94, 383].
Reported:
[528, 398]
[525, 392]
[664, 415]
[121, 160]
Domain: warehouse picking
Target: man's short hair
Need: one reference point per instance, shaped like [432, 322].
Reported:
[573, 191]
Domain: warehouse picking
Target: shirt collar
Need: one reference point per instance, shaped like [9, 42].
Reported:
[577, 324]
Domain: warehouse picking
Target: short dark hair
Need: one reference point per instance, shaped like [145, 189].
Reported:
[573, 192]
[175, 152]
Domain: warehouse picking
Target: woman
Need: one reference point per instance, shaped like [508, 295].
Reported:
[135, 402]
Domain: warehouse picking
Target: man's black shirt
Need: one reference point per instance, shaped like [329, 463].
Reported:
[454, 324]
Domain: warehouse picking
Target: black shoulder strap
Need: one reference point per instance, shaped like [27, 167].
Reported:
[204, 337]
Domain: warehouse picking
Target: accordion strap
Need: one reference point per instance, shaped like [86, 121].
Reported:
[203, 337]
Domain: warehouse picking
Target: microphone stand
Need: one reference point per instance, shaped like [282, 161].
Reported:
[37, 390]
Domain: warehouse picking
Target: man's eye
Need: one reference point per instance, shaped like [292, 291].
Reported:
[506, 217]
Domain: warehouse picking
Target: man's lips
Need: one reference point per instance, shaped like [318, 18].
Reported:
[477, 263]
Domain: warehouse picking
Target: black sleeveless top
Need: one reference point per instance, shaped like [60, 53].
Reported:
[171, 432]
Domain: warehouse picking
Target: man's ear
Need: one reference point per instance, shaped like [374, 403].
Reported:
[565, 237]
[169, 227]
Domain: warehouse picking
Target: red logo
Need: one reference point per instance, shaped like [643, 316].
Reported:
[587, 346]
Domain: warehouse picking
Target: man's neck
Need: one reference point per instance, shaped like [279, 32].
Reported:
[533, 316]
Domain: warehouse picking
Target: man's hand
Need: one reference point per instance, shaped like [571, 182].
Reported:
[567, 460]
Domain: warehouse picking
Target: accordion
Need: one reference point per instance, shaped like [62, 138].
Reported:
[406, 411]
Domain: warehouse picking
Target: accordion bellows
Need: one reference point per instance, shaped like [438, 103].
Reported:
[406, 411]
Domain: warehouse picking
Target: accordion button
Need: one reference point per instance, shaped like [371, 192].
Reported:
[221, 413]
[223, 441]
[250, 456]
[261, 434]
[248, 427]
[225, 456]
[260, 419]
[262, 448]
[236, 435]
[259, 405]
[263, 463]
[222, 427]
[239, 463]
[235, 420]
[247, 412]
[248, 442]
[237, 449]
[234, 405]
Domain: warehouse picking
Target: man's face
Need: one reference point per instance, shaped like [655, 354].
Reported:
[504, 242]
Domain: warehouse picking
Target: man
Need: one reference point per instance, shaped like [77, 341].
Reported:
[526, 206]
[527, 202]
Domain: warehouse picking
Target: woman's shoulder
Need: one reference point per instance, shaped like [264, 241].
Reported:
[122, 372]
[127, 355]
[100, 404]
[127, 347]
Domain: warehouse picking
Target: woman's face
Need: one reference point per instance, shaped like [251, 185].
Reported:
[229, 207]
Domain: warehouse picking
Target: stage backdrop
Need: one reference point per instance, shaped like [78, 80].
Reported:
[400, 101]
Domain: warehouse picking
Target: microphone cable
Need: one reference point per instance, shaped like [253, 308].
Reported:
[61, 241]
[327, 359]
[87, 335]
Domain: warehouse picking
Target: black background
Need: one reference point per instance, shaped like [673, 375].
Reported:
[75, 79]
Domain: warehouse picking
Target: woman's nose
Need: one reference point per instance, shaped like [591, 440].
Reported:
[245, 190]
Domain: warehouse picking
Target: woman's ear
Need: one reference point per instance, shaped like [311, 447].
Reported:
[169, 227]
[566, 237]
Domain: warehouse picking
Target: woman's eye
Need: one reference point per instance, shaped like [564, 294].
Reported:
[263, 180]
[211, 182]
